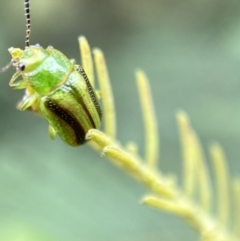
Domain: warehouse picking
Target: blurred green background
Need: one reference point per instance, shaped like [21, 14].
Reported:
[190, 51]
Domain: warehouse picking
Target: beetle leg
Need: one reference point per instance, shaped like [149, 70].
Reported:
[98, 94]
[28, 101]
[21, 84]
[34, 107]
[73, 61]
[52, 133]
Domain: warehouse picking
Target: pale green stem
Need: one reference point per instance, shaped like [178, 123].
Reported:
[87, 61]
[150, 120]
[177, 208]
[189, 165]
[195, 172]
[132, 164]
[236, 206]
[222, 185]
[106, 92]
[199, 219]
[202, 175]
[98, 138]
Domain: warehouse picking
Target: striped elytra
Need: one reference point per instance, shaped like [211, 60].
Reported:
[72, 109]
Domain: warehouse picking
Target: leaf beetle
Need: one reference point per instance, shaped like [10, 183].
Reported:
[56, 89]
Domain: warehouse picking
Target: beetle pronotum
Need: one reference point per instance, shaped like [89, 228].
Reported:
[56, 88]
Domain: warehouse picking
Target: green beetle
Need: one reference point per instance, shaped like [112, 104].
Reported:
[56, 88]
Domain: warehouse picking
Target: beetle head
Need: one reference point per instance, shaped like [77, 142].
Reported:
[28, 59]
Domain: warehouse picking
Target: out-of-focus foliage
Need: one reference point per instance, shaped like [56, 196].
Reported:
[19, 231]
[190, 51]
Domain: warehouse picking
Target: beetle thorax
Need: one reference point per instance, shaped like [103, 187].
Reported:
[43, 69]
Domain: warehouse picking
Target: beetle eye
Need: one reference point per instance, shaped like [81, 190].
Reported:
[21, 67]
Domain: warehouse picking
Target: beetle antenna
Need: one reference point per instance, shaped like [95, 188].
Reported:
[27, 14]
[5, 68]
[28, 31]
